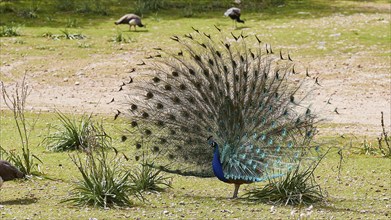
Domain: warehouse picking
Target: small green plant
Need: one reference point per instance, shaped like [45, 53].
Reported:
[84, 45]
[120, 38]
[147, 178]
[103, 184]
[25, 161]
[366, 148]
[19, 41]
[296, 187]
[9, 31]
[69, 36]
[72, 23]
[72, 135]
[384, 140]
[3, 153]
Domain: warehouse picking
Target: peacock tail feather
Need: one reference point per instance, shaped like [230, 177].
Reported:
[234, 89]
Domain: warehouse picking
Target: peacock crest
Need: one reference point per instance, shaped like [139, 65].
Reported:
[233, 89]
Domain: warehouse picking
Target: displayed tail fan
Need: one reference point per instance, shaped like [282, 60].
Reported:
[234, 92]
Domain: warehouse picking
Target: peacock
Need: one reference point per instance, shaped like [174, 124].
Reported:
[131, 20]
[234, 14]
[229, 101]
[8, 172]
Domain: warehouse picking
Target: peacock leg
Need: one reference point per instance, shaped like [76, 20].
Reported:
[236, 191]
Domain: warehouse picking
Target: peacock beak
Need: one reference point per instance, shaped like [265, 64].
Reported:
[211, 142]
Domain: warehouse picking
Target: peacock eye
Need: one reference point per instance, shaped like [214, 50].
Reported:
[176, 100]
[123, 138]
[155, 79]
[163, 140]
[145, 115]
[225, 69]
[182, 87]
[159, 106]
[160, 123]
[149, 95]
[191, 100]
[206, 72]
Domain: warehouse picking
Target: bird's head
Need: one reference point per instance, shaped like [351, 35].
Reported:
[211, 142]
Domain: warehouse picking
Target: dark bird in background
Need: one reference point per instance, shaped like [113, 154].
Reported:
[234, 14]
[8, 172]
[223, 104]
[131, 20]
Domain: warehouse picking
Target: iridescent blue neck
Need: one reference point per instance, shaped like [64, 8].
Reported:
[216, 164]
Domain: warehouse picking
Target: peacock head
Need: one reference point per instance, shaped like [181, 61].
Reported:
[211, 142]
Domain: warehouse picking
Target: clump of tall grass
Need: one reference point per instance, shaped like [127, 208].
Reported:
[25, 161]
[367, 148]
[10, 30]
[297, 187]
[120, 38]
[83, 135]
[147, 178]
[384, 140]
[104, 183]
[72, 23]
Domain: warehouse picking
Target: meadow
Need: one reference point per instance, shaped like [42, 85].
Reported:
[75, 59]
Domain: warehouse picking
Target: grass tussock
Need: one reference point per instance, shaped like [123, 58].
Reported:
[103, 184]
[24, 159]
[384, 140]
[77, 135]
[147, 178]
[9, 31]
[121, 38]
[297, 187]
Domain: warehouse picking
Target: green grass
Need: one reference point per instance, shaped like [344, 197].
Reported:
[84, 135]
[104, 184]
[362, 189]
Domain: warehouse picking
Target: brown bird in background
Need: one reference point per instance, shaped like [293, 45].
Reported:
[131, 20]
[9, 172]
